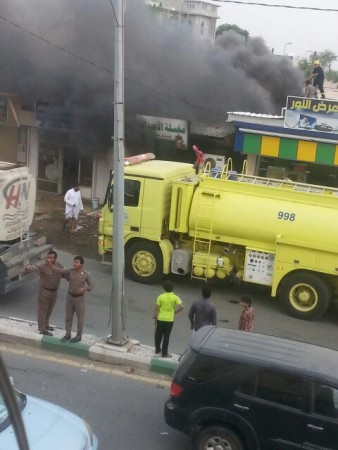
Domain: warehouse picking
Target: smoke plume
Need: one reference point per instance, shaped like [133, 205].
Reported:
[169, 70]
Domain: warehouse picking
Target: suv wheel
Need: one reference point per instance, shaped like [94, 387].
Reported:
[217, 438]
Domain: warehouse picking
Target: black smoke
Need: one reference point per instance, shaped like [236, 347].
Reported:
[169, 71]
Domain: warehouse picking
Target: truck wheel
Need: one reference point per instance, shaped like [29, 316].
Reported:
[144, 262]
[305, 296]
[219, 438]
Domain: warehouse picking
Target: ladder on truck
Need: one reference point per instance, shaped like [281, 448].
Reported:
[203, 233]
[216, 172]
[288, 184]
[228, 174]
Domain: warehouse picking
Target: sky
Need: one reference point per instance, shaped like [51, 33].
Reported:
[307, 30]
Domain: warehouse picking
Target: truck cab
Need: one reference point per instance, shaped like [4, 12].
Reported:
[147, 200]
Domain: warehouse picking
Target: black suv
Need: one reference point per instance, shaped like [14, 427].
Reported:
[234, 390]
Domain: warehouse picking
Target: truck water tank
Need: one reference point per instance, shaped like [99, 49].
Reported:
[260, 215]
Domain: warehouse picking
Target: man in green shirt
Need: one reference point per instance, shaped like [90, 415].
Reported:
[167, 305]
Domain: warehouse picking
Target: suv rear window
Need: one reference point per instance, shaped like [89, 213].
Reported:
[205, 368]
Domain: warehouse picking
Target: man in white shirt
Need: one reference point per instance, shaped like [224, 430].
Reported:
[73, 207]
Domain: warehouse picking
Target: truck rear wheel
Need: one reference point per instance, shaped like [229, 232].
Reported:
[305, 295]
[144, 262]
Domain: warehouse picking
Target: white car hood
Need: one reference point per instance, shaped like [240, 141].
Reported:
[48, 427]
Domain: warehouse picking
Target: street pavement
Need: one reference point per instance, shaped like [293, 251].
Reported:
[123, 407]
[270, 319]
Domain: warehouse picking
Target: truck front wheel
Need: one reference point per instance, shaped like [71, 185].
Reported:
[144, 262]
[305, 295]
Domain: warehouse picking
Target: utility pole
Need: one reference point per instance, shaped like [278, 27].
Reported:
[117, 297]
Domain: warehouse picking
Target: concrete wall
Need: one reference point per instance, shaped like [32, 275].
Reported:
[102, 168]
[33, 151]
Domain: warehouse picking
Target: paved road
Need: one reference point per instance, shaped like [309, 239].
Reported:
[270, 317]
[125, 411]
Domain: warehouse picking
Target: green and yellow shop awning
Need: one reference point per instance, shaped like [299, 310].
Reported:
[321, 148]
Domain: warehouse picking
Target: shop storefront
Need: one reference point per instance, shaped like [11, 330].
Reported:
[61, 163]
[60, 166]
[276, 152]
[172, 139]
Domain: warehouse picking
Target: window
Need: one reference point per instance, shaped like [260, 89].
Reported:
[325, 400]
[202, 28]
[131, 192]
[48, 170]
[280, 388]
[206, 368]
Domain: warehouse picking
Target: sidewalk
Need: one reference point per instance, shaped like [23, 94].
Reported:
[49, 219]
[133, 354]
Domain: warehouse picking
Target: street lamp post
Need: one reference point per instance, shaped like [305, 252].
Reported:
[117, 337]
[286, 43]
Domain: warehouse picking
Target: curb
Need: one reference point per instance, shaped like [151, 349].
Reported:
[55, 344]
[162, 366]
[118, 356]
[133, 354]
[20, 337]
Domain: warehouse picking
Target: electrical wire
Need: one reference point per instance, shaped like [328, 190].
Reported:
[105, 69]
[309, 8]
[59, 47]
[112, 7]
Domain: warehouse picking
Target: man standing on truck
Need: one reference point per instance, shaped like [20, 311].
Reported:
[73, 207]
[48, 288]
[167, 305]
[318, 77]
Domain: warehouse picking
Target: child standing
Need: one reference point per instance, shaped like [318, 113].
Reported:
[247, 317]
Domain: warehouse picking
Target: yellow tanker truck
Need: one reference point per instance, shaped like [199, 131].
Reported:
[220, 225]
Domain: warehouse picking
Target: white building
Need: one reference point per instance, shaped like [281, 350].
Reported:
[201, 15]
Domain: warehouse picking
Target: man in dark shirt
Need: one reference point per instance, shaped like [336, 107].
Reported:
[318, 77]
[202, 312]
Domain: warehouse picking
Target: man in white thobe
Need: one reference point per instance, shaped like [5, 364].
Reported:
[73, 207]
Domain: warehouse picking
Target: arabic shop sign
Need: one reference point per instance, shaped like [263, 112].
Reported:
[311, 114]
[167, 129]
[52, 115]
[3, 110]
